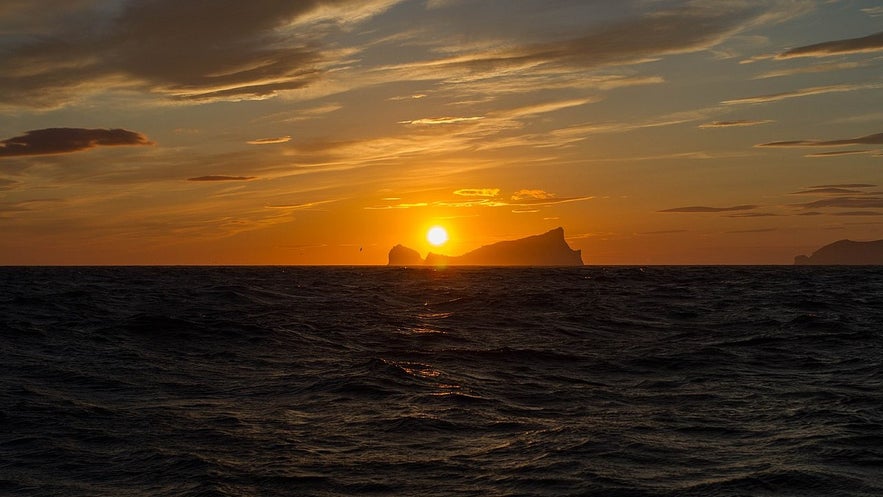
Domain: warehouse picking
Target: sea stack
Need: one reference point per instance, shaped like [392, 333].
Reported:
[547, 249]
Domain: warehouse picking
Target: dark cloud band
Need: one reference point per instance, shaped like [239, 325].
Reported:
[52, 141]
[870, 43]
[700, 208]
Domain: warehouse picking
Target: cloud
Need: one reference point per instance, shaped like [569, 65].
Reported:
[522, 200]
[870, 43]
[430, 121]
[858, 213]
[846, 185]
[403, 205]
[269, 141]
[478, 192]
[875, 139]
[752, 214]
[181, 50]
[53, 141]
[669, 31]
[846, 203]
[302, 206]
[839, 66]
[758, 230]
[699, 208]
[735, 124]
[7, 184]
[532, 194]
[510, 50]
[804, 92]
[838, 153]
[221, 178]
[828, 190]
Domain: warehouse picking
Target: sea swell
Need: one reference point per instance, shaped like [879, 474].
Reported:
[656, 381]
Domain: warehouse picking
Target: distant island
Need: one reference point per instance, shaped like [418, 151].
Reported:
[845, 252]
[548, 249]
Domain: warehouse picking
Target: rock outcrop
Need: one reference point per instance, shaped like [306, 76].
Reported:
[548, 249]
[845, 252]
[404, 256]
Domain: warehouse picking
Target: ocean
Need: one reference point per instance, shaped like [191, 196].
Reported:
[318, 381]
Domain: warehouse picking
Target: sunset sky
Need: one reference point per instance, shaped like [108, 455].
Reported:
[325, 132]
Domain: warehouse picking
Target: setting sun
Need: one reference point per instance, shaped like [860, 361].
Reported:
[437, 236]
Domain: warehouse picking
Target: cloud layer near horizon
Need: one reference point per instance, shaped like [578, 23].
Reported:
[51, 141]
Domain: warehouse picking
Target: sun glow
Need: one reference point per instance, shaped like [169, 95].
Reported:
[437, 236]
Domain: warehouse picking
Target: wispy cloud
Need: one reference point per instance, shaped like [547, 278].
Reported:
[301, 206]
[870, 43]
[830, 190]
[838, 153]
[221, 178]
[752, 214]
[525, 200]
[804, 92]
[735, 124]
[7, 184]
[52, 141]
[875, 139]
[818, 68]
[841, 196]
[701, 208]
[756, 230]
[477, 192]
[846, 185]
[431, 121]
[269, 141]
[846, 202]
[858, 213]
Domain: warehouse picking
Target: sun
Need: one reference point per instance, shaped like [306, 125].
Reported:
[437, 236]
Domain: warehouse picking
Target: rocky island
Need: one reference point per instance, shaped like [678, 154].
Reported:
[547, 249]
[845, 252]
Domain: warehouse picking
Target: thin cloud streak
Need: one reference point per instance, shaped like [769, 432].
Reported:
[875, 139]
[477, 192]
[221, 178]
[804, 92]
[735, 124]
[269, 141]
[705, 209]
[870, 43]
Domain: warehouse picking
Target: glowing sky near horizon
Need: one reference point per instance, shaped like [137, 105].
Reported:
[325, 132]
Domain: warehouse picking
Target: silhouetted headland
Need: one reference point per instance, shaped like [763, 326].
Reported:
[548, 249]
[845, 252]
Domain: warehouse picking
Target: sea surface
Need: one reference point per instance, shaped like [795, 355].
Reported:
[290, 381]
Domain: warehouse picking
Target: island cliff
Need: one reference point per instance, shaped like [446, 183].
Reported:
[548, 249]
[845, 252]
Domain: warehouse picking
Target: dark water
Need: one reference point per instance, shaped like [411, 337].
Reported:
[659, 381]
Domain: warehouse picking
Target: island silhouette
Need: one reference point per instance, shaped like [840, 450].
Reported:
[845, 253]
[547, 249]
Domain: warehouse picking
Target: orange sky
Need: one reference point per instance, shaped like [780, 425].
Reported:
[664, 132]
